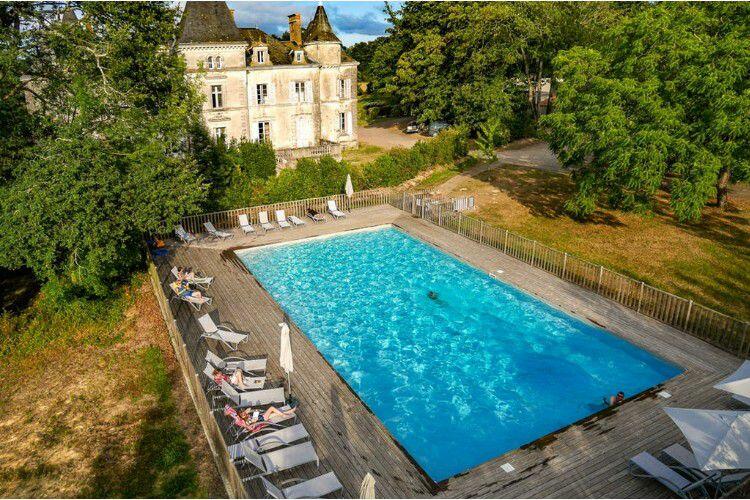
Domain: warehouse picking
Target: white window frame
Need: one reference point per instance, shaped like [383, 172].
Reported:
[261, 97]
[342, 123]
[210, 62]
[219, 62]
[220, 133]
[298, 55]
[217, 97]
[299, 91]
[260, 56]
[342, 88]
[264, 131]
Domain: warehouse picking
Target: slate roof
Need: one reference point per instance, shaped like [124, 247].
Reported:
[319, 29]
[208, 22]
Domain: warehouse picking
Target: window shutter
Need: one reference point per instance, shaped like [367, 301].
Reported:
[349, 123]
[292, 94]
[348, 88]
[253, 94]
[308, 91]
[254, 137]
[271, 93]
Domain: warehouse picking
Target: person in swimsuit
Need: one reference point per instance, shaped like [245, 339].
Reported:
[615, 400]
[251, 417]
[237, 379]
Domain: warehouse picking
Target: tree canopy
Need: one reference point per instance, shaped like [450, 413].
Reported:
[100, 157]
[468, 61]
[663, 100]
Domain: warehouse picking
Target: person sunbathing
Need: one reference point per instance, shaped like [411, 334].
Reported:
[236, 379]
[183, 289]
[251, 416]
[185, 274]
[254, 421]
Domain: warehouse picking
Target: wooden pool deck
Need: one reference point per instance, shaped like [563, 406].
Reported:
[586, 459]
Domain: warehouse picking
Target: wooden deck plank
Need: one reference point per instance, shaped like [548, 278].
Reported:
[588, 459]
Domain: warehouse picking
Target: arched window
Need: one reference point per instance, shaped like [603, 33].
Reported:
[210, 61]
[219, 62]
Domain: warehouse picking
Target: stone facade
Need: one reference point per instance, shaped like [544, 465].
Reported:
[296, 94]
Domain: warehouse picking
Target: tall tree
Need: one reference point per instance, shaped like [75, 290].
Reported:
[113, 163]
[664, 99]
[471, 61]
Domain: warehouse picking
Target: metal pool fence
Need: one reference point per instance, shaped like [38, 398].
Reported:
[730, 334]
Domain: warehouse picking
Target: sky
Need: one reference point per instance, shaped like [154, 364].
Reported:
[352, 21]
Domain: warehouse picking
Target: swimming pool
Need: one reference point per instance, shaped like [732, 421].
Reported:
[458, 379]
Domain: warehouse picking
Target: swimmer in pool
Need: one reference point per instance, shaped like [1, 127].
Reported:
[432, 295]
[615, 400]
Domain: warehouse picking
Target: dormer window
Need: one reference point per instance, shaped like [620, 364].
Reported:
[298, 56]
[260, 56]
[210, 62]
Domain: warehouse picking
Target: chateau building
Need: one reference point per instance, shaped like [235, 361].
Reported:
[300, 95]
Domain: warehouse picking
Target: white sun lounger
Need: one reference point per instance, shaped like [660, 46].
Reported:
[686, 459]
[267, 442]
[263, 220]
[183, 235]
[333, 210]
[201, 281]
[215, 233]
[674, 481]
[279, 460]
[195, 302]
[232, 363]
[281, 219]
[262, 397]
[223, 334]
[312, 488]
[296, 220]
[245, 225]
[253, 383]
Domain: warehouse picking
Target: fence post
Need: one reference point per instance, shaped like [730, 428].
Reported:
[565, 264]
[414, 204]
[601, 273]
[440, 215]
[459, 223]
[505, 245]
[687, 315]
[640, 297]
[533, 252]
[481, 231]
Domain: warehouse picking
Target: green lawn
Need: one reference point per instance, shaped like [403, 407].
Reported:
[708, 262]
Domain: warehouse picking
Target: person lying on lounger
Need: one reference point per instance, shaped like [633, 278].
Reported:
[247, 419]
[183, 289]
[185, 274]
[236, 379]
[251, 416]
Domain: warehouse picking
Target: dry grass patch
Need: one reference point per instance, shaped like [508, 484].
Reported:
[103, 417]
[708, 262]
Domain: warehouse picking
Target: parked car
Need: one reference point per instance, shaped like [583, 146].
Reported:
[434, 128]
[412, 128]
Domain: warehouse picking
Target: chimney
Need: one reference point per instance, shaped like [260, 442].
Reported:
[295, 29]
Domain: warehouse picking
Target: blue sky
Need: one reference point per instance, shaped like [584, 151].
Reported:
[352, 21]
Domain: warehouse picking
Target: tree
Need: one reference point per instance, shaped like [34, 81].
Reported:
[467, 61]
[664, 100]
[113, 163]
[490, 135]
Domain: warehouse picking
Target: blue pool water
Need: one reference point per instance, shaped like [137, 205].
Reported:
[459, 380]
